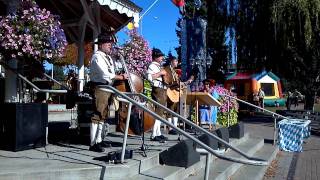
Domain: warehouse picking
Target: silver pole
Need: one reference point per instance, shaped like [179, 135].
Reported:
[207, 169]
[274, 130]
[126, 133]
[52, 71]
[228, 111]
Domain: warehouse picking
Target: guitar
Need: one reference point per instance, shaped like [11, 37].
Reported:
[174, 92]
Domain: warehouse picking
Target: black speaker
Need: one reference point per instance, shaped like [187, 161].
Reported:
[23, 126]
[183, 154]
[236, 130]
[208, 140]
[223, 133]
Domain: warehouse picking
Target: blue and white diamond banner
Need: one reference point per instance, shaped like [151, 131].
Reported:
[291, 134]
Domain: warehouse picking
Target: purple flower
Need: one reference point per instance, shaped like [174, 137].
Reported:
[32, 32]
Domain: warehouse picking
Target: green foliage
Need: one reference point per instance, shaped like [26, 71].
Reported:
[147, 88]
[58, 73]
[191, 11]
[297, 35]
[222, 118]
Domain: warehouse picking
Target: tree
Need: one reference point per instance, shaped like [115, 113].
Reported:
[216, 35]
[71, 55]
[58, 73]
[297, 35]
[282, 36]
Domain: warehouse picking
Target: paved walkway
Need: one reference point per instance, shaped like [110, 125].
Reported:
[297, 166]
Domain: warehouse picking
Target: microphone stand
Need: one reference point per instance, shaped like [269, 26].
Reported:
[132, 88]
[143, 147]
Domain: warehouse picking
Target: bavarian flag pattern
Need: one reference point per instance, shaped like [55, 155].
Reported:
[292, 133]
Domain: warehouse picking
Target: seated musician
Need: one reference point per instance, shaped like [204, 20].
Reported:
[154, 74]
[102, 72]
[208, 114]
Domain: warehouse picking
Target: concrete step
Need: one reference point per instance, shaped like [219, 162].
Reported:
[222, 169]
[58, 162]
[250, 172]
[159, 172]
[172, 173]
[62, 116]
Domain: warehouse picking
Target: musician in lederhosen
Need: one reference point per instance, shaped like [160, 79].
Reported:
[154, 74]
[102, 72]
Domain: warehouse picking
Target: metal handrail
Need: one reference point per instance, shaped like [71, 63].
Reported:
[250, 160]
[263, 109]
[36, 88]
[54, 80]
[258, 107]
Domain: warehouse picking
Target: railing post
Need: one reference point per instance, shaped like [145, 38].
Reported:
[208, 161]
[228, 111]
[207, 168]
[126, 133]
[274, 130]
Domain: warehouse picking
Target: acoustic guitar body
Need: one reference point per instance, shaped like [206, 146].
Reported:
[173, 94]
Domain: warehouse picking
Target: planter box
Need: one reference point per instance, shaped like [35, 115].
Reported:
[23, 126]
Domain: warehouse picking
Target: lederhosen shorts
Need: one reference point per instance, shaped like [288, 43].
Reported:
[159, 95]
[101, 104]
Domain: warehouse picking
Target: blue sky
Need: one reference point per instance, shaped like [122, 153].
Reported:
[158, 25]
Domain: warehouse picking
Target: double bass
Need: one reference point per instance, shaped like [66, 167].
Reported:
[133, 84]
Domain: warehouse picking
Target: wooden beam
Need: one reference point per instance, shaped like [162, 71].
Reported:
[56, 7]
[68, 31]
[71, 9]
[112, 15]
[97, 17]
[87, 12]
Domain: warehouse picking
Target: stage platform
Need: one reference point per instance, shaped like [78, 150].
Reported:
[75, 161]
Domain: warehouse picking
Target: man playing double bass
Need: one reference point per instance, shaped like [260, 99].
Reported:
[102, 72]
[154, 75]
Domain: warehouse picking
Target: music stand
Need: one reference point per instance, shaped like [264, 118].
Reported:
[201, 98]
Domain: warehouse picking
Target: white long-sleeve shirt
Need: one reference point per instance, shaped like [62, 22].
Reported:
[154, 68]
[102, 68]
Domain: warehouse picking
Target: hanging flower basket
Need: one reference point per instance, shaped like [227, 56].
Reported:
[137, 53]
[31, 33]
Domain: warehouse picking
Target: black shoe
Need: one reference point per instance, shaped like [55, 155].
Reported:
[157, 138]
[163, 137]
[105, 144]
[96, 148]
[173, 132]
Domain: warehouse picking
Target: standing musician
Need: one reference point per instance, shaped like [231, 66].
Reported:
[171, 104]
[154, 74]
[102, 72]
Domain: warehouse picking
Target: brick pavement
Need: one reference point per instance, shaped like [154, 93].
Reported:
[296, 166]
